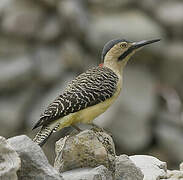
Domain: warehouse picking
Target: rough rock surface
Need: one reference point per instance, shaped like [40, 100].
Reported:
[151, 167]
[126, 169]
[89, 148]
[34, 162]
[174, 175]
[78, 153]
[98, 173]
[88, 155]
[9, 161]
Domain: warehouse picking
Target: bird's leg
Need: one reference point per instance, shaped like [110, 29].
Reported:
[75, 127]
[97, 128]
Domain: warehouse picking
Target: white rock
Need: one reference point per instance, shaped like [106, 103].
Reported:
[98, 173]
[181, 166]
[9, 161]
[174, 175]
[151, 167]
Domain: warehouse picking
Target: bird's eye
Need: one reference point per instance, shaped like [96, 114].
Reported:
[123, 45]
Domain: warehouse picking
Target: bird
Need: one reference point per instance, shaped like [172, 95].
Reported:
[91, 93]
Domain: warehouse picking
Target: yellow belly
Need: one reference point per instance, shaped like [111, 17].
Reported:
[89, 114]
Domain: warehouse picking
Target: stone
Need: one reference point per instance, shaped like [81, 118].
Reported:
[22, 18]
[89, 148]
[151, 167]
[98, 173]
[9, 161]
[15, 72]
[126, 169]
[104, 27]
[128, 119]
[174, 175]
[34, 162]
[181, 166]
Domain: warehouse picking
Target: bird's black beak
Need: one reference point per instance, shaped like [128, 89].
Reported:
[137, 45]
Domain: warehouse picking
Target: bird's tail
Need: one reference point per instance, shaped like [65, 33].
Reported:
[43, 135]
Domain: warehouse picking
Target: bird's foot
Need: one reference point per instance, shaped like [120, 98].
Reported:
[76, 127]
[73, 133]
[99, 129]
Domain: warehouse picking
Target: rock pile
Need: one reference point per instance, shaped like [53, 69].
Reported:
[88, 155]
[45, 43]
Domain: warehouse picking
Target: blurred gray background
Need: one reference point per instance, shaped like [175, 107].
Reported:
[46, 43]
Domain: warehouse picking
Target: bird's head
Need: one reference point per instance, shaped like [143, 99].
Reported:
[117, 52]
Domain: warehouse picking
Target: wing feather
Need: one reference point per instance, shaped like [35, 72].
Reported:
[88, 89]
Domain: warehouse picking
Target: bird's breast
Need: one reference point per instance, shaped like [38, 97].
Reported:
[90, 113]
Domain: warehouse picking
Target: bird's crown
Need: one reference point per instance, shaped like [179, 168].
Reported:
[111, 44]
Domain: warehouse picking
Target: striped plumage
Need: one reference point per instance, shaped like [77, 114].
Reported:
[88, 89]
[91, 93]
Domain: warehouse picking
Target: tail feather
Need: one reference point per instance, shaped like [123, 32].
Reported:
[43, 135]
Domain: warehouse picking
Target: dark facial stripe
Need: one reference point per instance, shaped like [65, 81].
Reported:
[126, 53]
[137, 45]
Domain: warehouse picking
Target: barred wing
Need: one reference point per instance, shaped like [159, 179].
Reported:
[88, 89]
